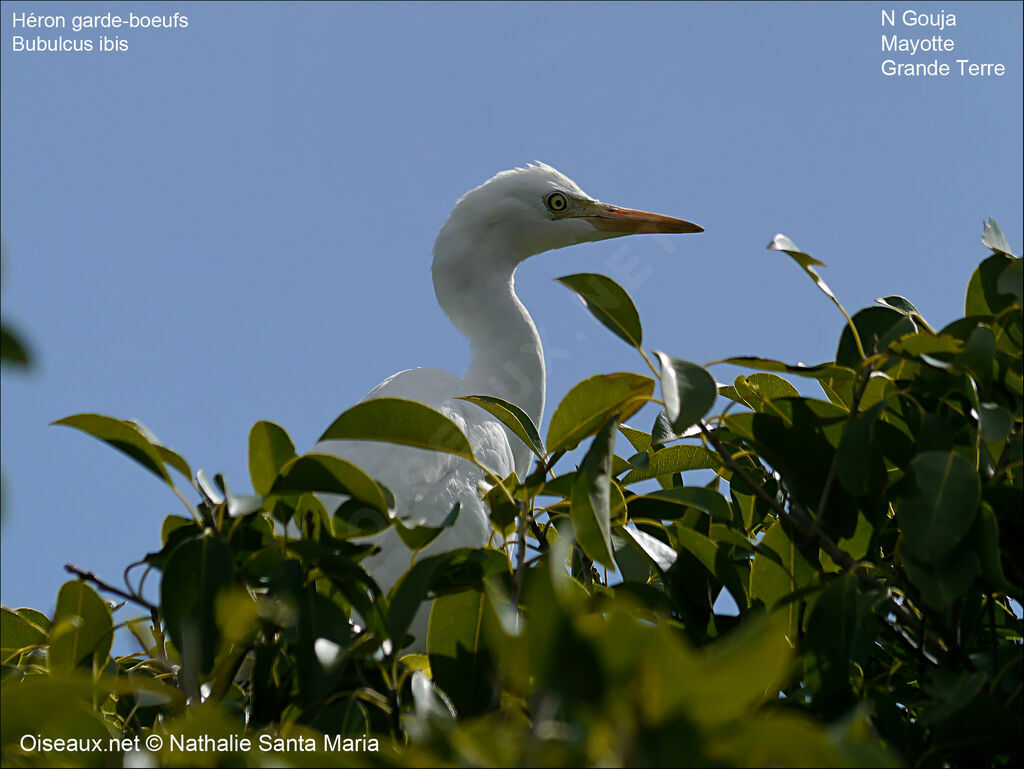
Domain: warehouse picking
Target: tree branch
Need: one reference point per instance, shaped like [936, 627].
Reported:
[91, 577]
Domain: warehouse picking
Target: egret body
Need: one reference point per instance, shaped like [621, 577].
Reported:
[491, 230]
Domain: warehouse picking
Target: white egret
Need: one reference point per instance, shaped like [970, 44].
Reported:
[491, 230]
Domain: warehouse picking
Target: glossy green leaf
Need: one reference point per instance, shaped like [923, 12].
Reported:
[979, 353]
[660, 554]
[899, 303]
[513, 417]
[853, 458]
[986, 293]
[670, 504]
[589, 404]
[778, 569]
[448, 572]
[419, 536]
[609, 303]
[460, 661]
[638, 439]
[877, 327]
[322, 473]
[688, 390]
[819, 371]
[123, 436]
[714, 559]
[943, 506]
[591, 498]
[405, 422]
[674, 459]
[757, 389]
[196, 571]
[270, 449]
[831, 630]
[82, 629]
[17, 632]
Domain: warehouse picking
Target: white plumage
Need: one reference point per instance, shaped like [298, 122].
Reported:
[491, 230]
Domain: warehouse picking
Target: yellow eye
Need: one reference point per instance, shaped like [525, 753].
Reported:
[556, 202]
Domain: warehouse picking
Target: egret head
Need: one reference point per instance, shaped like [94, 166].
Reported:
[526, 211]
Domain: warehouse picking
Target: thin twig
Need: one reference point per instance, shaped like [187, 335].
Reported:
[91, 577]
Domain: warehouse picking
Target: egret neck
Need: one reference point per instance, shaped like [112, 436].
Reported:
[475, 285]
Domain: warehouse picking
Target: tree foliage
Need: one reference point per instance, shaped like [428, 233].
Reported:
[869, 538]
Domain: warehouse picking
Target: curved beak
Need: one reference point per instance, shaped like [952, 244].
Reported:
[627, 221]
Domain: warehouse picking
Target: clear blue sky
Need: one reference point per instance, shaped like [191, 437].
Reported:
[233, 221]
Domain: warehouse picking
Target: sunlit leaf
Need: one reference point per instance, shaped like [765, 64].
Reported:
[609, 303]
[405, 422]
[269, 449]
[322, 473]
[689, 391]
[123, 436]
[590, 403]
[591, 498]
[513, 417]
[82, 628]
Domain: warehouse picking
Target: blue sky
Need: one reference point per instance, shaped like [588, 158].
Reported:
[233, 221]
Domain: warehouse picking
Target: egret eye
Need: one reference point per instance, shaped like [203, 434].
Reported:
[556, 202]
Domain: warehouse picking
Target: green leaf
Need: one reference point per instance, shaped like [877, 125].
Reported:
[591, 498]
[689, 391]
[671, 504]
[985, 541]
[609, 303]
[946, 579]
[405, 422]
[322, 473]
[660, 554]
[513, 417]
[979, 353]
[986, 293]
[447, 572]
[738, 672]
[995, 421]
[418, 537]
[943, 506]
[899, 303]
[831, 630]
[82, 629]
[778, 569]
[757, 389]
[123, 436]
[270, 448]
[807, 263]
[457, 646]
[17, 632]
[819, 371]
[674, 459]
[714, 559]
[56, 709]
[992, 237]
[853, 465]
[589, 404]
[12, 349]
[195, 573]
[877, 328]
[638, 439]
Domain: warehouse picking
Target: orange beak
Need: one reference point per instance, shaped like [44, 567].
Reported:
[629, 221]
